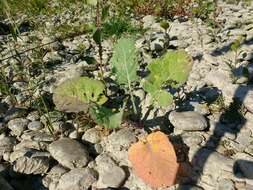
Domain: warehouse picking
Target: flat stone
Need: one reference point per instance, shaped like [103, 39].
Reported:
[188, 121]
[77, 179]
[37, 136]
[110, 175]
[69, 153]
[31, 165]
[35, 125]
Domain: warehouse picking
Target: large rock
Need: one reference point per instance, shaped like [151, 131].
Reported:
[77, 179]
[69, 153]
[188, 121]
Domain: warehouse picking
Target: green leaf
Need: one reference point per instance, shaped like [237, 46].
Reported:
[97, 36]
[174, 66]
[179, 66]
[106, 117]
[237, 43]
[172, 69]
[124, 61]
[92, 2]
[77, 94]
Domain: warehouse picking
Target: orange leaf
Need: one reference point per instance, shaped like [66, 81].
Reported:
[154, 160]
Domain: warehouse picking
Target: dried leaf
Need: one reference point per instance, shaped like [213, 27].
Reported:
[154, 160]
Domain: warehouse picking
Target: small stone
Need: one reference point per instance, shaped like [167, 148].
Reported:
[33, 116]
[226, 184]
[51, 44]
[52, 178]
[148, 21]
[30, 144]
[92, 135]
[6, 144]
[73, 134]
[188, 121]
[77, 179]
[35, 125]
[18, 126]
[14, 112]
[52, 58]
[110, 175]
[69, 153]
[37, 136]
[244, 163]
[192, 138]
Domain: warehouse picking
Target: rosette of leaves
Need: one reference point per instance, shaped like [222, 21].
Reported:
[78, 94]
[170, 70]
[124, 65]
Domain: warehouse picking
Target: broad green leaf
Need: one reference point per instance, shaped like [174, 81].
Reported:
[76, 94]
[106, 117]
[174, 66]
[124, 61]
[172, 69]
[179, 66]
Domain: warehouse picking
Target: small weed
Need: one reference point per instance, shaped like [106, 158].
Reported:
[118, 26]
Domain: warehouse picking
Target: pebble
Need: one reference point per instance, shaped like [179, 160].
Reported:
[35, 126]
[92, 135]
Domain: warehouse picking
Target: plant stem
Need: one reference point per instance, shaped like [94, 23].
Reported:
[132, 98]
[100, 48]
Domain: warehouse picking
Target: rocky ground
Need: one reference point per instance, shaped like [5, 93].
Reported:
[211, 128]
